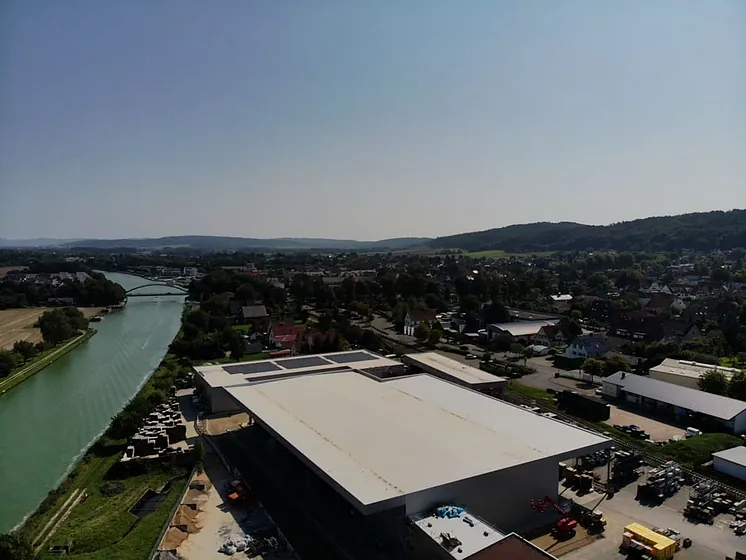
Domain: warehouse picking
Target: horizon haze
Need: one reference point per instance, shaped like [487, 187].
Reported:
[374, 121]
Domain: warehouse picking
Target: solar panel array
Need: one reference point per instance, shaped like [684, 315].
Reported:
[351, 358]
[305, 362]
[257, 367]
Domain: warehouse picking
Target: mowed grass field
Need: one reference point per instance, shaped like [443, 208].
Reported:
[16, 324]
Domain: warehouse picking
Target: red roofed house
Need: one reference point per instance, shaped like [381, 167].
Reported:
[286, 335]
[415, 318]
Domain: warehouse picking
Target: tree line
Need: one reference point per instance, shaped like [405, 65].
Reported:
[95, 291]
[56, 325]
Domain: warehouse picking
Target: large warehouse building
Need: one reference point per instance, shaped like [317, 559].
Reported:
[454, 371]
[393, 447]
[686, 373]
[686, 406]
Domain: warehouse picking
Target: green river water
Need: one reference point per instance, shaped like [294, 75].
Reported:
[48, 421]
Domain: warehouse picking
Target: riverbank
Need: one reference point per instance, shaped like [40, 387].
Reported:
[46, 358]
[102, 527]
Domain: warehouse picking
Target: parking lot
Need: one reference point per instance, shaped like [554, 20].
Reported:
[658, 430]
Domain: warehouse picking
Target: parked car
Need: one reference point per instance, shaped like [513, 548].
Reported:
[471, 357]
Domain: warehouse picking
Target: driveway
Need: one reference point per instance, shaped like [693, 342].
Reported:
[544, 377]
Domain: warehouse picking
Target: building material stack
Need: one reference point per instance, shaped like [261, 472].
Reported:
[626, 466]
[662, 482]
[700, 503]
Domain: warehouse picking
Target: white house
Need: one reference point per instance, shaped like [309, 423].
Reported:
[415, 318]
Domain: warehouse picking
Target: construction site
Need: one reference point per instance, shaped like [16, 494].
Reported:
[341, 455]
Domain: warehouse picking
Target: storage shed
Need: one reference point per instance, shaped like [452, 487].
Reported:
[731, 462]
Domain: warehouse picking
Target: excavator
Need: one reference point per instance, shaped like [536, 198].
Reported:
[565, 527]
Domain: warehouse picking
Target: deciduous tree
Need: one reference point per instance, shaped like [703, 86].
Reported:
[25, 349]
[713, 381]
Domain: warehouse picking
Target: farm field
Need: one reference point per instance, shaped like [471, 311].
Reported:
[16, 324]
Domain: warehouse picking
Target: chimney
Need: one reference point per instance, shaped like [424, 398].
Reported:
[624, 374]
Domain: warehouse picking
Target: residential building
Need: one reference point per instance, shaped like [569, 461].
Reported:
[551, 336]
[190, 271]
[636, 325]
[256, 316]
[417, 317]
[682, 405]
[589, 346]
[561, 302]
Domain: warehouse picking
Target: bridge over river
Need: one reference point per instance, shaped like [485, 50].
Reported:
[49, 420]
[146, 290]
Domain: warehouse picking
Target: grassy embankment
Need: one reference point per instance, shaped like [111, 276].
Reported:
[691, 453]
[102, 527]
[49, 356]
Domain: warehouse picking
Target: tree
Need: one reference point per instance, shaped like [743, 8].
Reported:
[246, 292]
[516, 349]
[528, 352]
[496, 312]
[433, 337]
[720, 275]
[55, 326]
[593, 367]
[25, 349]
[8, 361]
[325, 322]
[422, 332]
[14, 546]
[614, 364]
[737, 386]
[713, 381]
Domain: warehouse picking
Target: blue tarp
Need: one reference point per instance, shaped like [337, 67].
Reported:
[449, 511]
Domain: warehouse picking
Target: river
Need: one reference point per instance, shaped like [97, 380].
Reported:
[49, 421]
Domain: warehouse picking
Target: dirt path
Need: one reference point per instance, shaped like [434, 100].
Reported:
[57, 518]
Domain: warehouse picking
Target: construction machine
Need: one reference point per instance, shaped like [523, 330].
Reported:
[566, 526]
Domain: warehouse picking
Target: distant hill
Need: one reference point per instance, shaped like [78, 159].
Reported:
[215, 243]
[703, 231]
[29, 243]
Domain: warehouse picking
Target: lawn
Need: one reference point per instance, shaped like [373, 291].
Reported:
[102, 526]
[732, 362]
[539, 395]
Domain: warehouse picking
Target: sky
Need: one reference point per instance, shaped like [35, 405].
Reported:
[365, 120]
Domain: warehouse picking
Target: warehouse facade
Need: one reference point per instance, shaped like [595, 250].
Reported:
[731, 462]
[683, 405]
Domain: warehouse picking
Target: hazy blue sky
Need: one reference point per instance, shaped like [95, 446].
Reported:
[365, 119]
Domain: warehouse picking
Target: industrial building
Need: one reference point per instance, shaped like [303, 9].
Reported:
[686, 373]
[683, 405]
[731, 462]
[212, 381]
[389, 450]
[454, 371]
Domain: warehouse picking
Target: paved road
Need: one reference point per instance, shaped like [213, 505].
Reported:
[544, 377]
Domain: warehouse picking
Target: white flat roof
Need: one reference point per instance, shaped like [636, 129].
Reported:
[736, 455]
[451, 369]
[378, 441]
[474, 534]
[241, 373]
[686, 368]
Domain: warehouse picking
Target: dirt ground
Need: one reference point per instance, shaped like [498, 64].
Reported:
[4, 270]
[223, 424]
[16, 324]
[657, 430]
